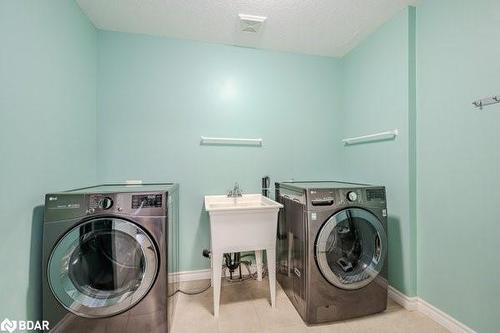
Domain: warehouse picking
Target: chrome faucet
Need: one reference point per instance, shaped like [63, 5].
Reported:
[235, 192]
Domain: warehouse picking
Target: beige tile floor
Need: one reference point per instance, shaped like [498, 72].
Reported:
[245, 308]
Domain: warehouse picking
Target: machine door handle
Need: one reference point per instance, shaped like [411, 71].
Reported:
[322, 202]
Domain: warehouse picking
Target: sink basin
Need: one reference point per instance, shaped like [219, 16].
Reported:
[243, 223]
[246, 223]
[221, 203]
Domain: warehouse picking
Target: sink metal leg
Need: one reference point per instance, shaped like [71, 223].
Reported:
[258, 262]
[271, 268]
[216, 279]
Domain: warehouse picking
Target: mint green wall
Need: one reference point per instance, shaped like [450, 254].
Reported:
[47, 132]
[459, 159]
[157, 96]
[378, 96]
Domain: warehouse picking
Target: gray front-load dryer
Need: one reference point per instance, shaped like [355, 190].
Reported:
[332, 249]
[107, 252]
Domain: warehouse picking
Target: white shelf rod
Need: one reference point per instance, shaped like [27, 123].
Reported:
[387, 135]
[230, 141]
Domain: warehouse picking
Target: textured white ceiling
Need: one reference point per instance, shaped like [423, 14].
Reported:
[320, 27]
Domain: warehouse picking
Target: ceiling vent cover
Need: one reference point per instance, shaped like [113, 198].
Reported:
[251, 23]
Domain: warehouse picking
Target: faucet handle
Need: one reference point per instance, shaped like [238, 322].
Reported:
[235, 192]
[237, 189]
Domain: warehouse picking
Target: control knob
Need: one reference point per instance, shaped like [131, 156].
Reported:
[352, 196]
[106, 203]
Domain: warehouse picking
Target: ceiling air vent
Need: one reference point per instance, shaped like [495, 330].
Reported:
[251, 23]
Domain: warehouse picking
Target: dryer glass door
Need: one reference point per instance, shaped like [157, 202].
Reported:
[102, 267]
[351, 248]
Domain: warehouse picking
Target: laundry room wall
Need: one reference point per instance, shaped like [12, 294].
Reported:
[47, 132]
[157, 96]
[459, 159]
[378, 95]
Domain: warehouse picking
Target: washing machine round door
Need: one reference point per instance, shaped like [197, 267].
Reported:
[102, 267]
[351, 248]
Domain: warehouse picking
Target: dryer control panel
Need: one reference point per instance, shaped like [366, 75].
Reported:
[146, 200]
[138, 204]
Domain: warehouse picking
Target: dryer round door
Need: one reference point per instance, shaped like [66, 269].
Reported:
[351, 248]
[102, 267]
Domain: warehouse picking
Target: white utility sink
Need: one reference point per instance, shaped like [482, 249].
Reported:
[219, 203]
[239, 224]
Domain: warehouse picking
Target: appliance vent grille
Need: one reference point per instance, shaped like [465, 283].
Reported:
[251, 23]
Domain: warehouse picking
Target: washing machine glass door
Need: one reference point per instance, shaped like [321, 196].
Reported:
[351, 248]
[102, 267]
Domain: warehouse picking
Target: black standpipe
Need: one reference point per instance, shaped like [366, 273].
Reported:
[233, 262]
[266, 182]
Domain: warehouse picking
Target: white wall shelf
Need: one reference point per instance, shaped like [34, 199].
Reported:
[387, 135]
[231, 141]
[480, 103]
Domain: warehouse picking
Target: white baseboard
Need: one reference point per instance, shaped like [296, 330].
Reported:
[409, 303]
[205, 274]
[202, 274]
[443, 318]
[418, 304]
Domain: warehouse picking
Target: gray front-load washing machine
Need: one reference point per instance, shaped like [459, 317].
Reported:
[107, 252]
[332, 249]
